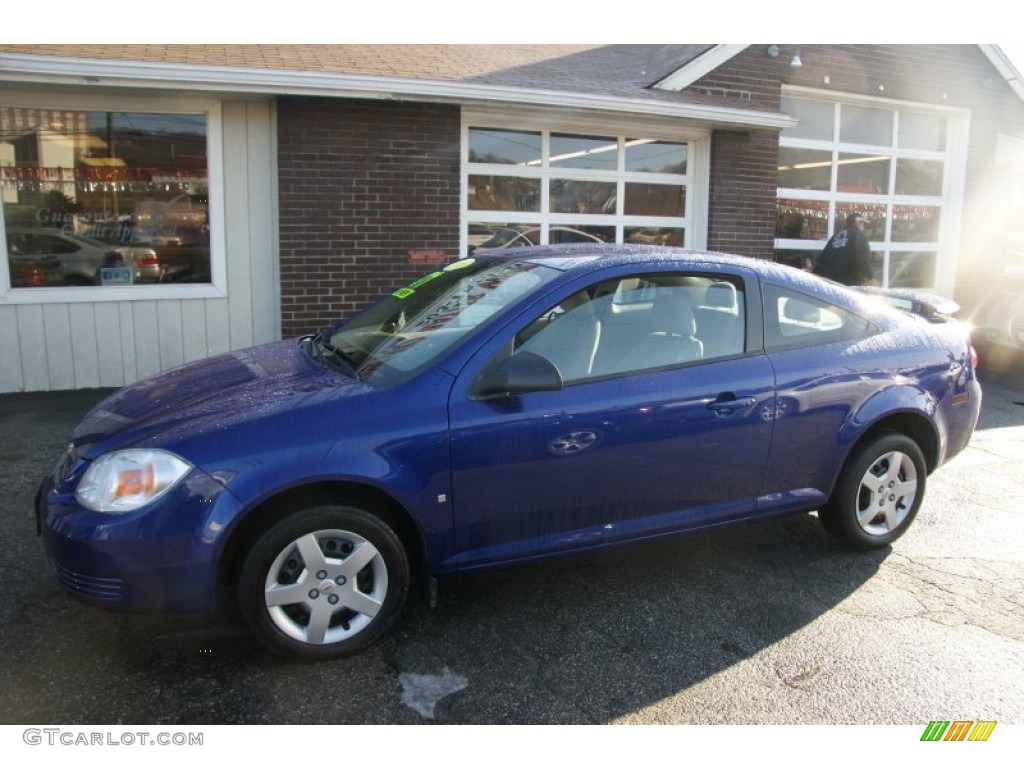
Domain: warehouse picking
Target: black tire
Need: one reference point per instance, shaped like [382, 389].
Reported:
[355, 590]
[878, 494]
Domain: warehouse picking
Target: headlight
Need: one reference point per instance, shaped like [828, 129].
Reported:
[126, 480]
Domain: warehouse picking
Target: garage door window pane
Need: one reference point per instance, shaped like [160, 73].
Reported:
[863, 174]
[805, 168]
[911, 269]
[864, 125]
[598, 153]
[918, 177]
[655, 200]
[490, 145]
[815, 119]
[915, 224]
[655, 236]
[582, 196]
[645, 156]
[503, 193]
[918, 131]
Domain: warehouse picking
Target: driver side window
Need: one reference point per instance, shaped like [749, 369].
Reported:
[640, 323]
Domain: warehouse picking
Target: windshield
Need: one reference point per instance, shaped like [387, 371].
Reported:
[414, 326]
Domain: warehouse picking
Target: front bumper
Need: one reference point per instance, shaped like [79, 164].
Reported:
[160, 558]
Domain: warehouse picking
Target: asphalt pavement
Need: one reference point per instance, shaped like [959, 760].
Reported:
[770, 623]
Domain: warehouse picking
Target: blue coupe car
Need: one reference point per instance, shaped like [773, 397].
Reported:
[505, 409]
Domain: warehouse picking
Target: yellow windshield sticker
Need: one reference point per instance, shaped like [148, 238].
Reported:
[460, 264]
[410, 289]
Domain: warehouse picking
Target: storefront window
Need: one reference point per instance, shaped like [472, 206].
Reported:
[96, 198]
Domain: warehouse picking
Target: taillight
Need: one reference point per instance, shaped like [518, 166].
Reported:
[974, 357]
[149, 260]
[34, 276]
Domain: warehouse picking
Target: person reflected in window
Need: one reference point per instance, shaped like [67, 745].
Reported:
[846, 257]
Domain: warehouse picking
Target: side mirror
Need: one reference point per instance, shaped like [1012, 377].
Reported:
[523, 372]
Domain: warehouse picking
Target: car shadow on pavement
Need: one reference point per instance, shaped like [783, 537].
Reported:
[589, 638]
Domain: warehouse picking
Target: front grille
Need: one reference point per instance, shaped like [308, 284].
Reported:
[92, 588]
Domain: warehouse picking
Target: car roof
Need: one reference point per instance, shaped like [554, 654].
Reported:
[585, 257]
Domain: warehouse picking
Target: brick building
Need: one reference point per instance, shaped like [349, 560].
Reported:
[260, 191]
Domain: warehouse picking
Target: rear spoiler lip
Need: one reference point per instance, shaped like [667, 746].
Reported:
[931, 306]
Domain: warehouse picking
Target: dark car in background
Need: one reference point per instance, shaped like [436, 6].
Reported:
[505, 409]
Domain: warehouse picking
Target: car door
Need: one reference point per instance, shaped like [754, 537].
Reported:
[647, 435]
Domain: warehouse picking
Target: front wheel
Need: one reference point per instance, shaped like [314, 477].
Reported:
[324, 582]
[878, 493]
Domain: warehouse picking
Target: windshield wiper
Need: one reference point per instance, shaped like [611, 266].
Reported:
[318, 344]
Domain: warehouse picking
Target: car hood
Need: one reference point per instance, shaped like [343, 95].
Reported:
[211, 395]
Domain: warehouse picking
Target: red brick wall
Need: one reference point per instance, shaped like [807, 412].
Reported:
[361, 184]
[744, 164]
[741, 209]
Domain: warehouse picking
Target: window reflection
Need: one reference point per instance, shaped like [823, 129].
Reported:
[104, 198]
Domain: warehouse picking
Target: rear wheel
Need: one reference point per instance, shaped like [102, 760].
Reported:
[878, 494]
[326, 581]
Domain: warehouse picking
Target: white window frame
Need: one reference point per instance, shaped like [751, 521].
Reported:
[217, 287]
[695, 180]
[949, 203]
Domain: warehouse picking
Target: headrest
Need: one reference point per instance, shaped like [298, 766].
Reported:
[720, 294]
[673, 315]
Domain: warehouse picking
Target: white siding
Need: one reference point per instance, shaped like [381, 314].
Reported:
[80, 345]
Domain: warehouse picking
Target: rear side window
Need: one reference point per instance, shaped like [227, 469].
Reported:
[795, 319]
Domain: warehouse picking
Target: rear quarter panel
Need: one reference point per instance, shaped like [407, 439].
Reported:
[830, 396]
